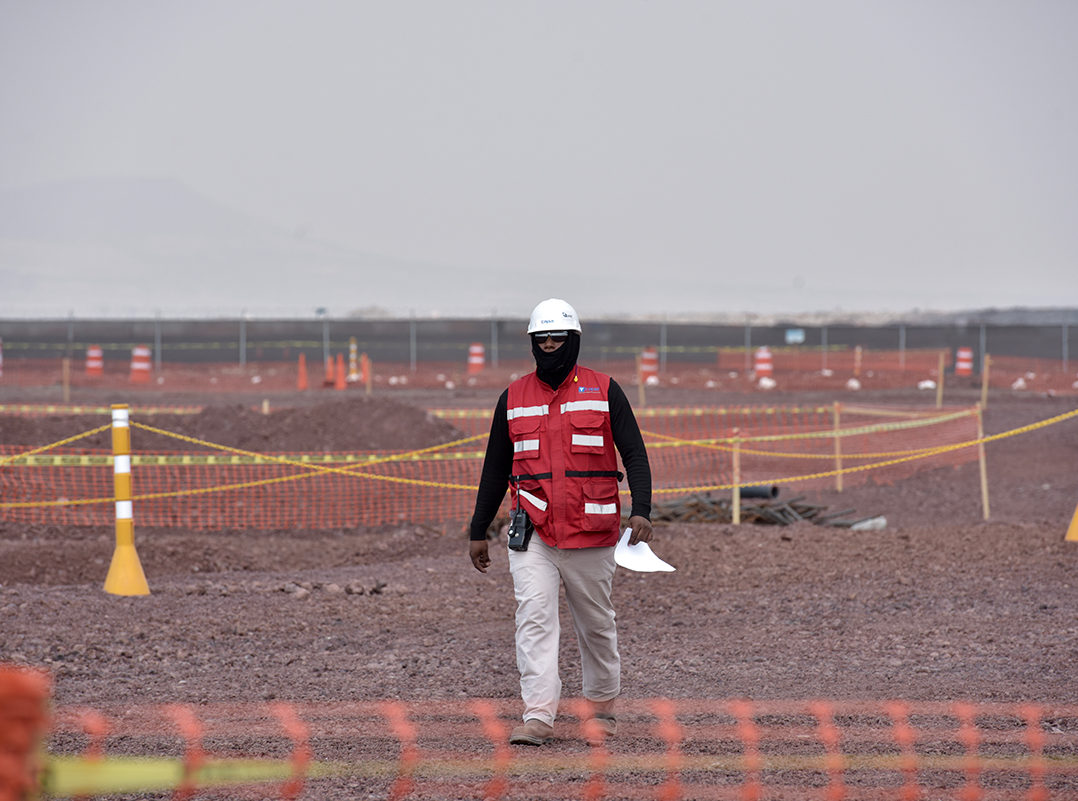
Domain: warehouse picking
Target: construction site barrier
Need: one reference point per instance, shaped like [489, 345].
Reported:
[668, 749]
[212, 486]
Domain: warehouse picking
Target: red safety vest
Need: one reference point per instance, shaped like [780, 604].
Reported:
[565, 467]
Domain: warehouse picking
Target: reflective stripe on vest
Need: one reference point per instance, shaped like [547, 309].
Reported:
[527, 411]
[600, 508]
[538, 503]
[586, 405]
[588, 439]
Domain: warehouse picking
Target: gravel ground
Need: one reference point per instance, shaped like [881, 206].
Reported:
[940, 605]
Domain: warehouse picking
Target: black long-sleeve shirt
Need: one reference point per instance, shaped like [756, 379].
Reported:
[498, 463]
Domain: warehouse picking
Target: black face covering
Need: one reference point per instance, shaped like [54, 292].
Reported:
[553, 368]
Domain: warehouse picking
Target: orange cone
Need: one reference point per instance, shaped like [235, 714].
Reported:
[342, 376]
[140, 364]
[95, 360]
[477, 358]
[762, 362]
[963, 361]
[649, 365]
[301, 377]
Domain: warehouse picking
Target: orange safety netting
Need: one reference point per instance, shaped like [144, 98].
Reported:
[690, 450]
[24, 696]
[694, 748]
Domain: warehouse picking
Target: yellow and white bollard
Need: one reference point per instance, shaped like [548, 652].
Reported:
[125, 575]
[353, 360]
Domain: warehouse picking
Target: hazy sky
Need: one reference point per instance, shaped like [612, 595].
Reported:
[659, 156]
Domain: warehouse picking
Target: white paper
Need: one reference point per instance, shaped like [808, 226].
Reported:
[638, 557]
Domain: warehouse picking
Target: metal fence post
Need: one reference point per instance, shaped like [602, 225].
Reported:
[748, 346]
[157, 343]
[411, 342]
[325, 340]
[662, 347]
[984, 345]
[1066, 348]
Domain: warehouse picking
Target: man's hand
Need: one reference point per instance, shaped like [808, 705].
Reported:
[480, 555]
[641, 527]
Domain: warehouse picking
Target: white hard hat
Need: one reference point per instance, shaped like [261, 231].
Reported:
[553, 315]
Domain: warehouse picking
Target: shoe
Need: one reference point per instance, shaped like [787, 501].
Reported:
[533, 732]
[603, 728]
[608, 725]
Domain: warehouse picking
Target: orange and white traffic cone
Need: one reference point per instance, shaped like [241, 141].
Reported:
[140, 364]
[477, 358]
[649, 365]
[95, 360]
[963, 361]
[762, 362]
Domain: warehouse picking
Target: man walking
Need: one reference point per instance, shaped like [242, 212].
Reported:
[554, 442]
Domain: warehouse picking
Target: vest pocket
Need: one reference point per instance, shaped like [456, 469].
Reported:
[602, 508]
[533, 500]
[587, 431]
[524, 432]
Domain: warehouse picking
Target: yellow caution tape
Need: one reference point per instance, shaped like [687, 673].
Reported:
[351, 471]
[194, 459]
[53, 409]
[861, 468]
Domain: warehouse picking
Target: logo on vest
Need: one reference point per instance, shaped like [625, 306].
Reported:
[587, 389]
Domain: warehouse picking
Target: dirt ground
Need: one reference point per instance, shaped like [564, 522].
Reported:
[940, 605]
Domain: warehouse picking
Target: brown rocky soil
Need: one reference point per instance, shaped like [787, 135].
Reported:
[939, 605]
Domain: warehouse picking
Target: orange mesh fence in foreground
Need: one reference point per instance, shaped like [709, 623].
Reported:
[748, 750]
[691, 450]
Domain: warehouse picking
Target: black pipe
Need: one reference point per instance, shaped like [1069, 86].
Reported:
[759, 492]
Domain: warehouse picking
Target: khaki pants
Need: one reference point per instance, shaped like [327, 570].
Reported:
[587, 575]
